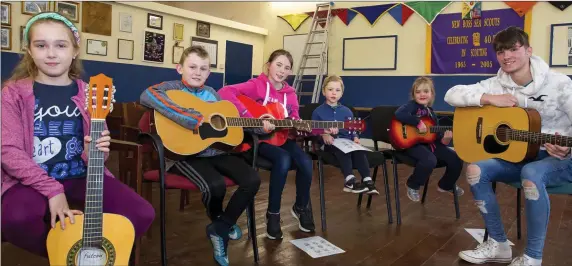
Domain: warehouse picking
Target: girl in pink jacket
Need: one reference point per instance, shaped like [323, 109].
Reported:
[272, 87]
[45, 133]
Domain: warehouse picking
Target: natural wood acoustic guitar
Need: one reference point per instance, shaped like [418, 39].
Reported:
[96, 238]
[509, 133]
[404, 136]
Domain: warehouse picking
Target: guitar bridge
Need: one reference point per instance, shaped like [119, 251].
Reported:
[479, 130]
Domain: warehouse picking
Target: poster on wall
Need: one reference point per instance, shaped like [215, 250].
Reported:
[464, 46]
[569, 46]
[154, 50]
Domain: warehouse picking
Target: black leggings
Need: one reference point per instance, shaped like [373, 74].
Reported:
[208, 174]
[348, 160]
[426, 162]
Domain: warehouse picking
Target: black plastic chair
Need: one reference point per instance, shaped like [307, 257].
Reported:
[380, 121]
[375, 159]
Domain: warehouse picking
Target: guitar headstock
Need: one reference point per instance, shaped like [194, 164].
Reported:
[354, 125]
[99, 96]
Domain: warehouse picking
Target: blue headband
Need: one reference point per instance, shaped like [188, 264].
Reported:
[55, 16]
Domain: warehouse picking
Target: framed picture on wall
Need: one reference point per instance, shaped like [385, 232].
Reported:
[203, 29]
[69, 10]
[125, 22]
[6, 14]
[34, 7]
[96, 47]
[22, 44]
[210, 45]
[154, 21]
[125, 49]
[178, 31]
[177, 53]
[6, 38]
[154, 47]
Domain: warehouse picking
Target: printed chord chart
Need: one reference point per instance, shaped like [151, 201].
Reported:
[316, 246]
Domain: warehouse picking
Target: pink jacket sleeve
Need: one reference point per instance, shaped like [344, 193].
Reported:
[293, 101]
[231, 92]
[15, 161]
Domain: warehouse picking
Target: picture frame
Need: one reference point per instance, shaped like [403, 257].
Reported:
[34, 7]
[203, 29]
[154, 21]
[210, 45]
[68, 9]
[22, 44]
[178, 31]
[125, 49]
[154, 47]
[6, 14]
[6, 38]
[177, 52]
[125, 22]
[96, 47]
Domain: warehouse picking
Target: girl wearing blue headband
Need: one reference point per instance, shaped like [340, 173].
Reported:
[45, 133]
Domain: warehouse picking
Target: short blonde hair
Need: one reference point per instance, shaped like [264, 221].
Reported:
[196, 49]
[420, 81]
[332, 78]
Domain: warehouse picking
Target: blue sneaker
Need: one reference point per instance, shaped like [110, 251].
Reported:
[220, 244]
[235, 232]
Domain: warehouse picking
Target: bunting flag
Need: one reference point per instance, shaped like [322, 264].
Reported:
[294, 20]
[471, 10]
[521, 7]
[428, 10]
[401, 13]
[373, 13]
[560, 5]
[346, 15]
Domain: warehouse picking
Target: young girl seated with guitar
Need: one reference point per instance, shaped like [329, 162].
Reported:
[427, 155]
[208, 168]
[45, 151]
[332, 110]
[271, 87]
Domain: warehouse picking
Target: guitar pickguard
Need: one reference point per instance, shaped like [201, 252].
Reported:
[206, 131]
[491, 145]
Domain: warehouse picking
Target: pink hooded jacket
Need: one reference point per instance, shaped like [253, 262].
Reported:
[262, 91]
[18, 103]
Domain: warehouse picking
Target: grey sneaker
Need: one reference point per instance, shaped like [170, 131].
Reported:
[413, 194]
[460, 191]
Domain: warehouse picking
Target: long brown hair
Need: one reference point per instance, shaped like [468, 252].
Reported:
[420, 81]
[278, 53]
[26, 68]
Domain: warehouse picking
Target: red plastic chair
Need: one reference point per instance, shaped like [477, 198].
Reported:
[152, 142]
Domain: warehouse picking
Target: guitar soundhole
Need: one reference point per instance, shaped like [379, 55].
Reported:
[502, 133]
[218, 122]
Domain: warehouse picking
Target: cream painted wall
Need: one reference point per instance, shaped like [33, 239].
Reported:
[411, 44]
[139, 13]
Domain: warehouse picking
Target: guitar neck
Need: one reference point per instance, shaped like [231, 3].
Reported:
[538, 138]
[439, 129]
[257, 122]
[93, 213]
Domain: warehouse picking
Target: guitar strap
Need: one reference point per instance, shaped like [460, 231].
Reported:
[268, 96]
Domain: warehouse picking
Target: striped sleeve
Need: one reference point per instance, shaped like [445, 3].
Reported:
[155, 97]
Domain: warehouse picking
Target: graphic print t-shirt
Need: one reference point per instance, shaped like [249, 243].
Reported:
[58, 131]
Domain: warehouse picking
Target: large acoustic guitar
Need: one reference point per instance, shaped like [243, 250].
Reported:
[404, 136]
[96, 238]
[510, 133]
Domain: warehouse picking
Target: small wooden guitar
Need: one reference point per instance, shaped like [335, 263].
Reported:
[511, 133]
[404, 136]
[276, 111]
[96, 238]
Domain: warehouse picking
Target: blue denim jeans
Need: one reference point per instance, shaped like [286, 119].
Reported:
[282, 158]
[544, 171]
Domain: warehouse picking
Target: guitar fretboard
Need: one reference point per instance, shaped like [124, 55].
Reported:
[255, 122]
[93, 214]
[326, 124]
[537, 138]
[439, 129]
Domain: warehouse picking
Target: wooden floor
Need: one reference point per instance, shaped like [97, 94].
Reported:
[428, 235]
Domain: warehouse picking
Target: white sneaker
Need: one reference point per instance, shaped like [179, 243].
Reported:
[488, 251]
[524, 261]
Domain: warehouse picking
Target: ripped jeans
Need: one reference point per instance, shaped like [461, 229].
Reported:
[544, 171]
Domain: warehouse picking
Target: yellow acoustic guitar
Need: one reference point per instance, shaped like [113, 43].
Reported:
[510, 133]
[96, 238]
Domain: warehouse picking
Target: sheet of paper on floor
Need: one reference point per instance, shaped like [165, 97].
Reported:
[479, 234]
[316, 246]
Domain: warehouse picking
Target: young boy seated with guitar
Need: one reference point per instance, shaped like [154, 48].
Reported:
[427, 155]
[332, 110]
[523, 80]
[208, 168]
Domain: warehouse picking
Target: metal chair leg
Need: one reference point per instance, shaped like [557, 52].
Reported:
[518, 213]
[373, 179]
[252, 229]
[456, 202]
[425, 191]
[387, 192]
[322, 196]
[396, 188]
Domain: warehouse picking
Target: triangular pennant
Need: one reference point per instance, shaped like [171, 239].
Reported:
[294, 20]
[346, 15]
[561, 5]
[471, 10]
[427, 10]
[401, 13]
[521, 7]
[372, 13]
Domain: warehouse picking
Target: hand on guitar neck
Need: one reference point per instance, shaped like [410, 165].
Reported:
[557, 151]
